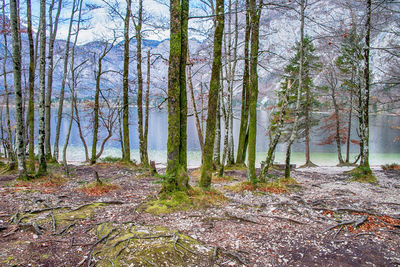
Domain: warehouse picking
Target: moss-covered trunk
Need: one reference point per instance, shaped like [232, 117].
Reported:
[31, 101]
[244, 118]
[16, 48]
[206, 169]
[255, 12]
[177, 106]
[125, 88]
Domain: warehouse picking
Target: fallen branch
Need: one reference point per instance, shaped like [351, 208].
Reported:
[282, 218]
[65, 229]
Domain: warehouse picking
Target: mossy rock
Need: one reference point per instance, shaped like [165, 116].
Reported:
[144, 245]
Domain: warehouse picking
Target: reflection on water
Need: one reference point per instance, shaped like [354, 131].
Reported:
[383, 150]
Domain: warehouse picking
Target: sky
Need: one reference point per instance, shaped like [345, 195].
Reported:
[100, 26]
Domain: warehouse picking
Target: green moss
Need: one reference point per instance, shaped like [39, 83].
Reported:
[236, 167]
[196, 198]
[110, 159]
[141, 244]
[168, 203]
[362, 175]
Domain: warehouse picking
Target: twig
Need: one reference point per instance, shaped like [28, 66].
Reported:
[149, 262]
[65, 229]
[282, 218]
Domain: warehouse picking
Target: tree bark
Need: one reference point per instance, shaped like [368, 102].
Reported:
[31, 102]
[10, 149]
[50, 69]
[177, 103]
[63, 83]
[364, 123]
[195, 112]
[18, 90]
[241, 151]
[125, 86]
[255, 13]
[146, 125]
[206, 169]
[96, 109]
[142, 149]
[42, 93]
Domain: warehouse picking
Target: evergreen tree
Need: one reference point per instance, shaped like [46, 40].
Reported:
[308, 99]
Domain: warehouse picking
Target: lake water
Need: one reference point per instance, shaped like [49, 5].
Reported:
[383, 149]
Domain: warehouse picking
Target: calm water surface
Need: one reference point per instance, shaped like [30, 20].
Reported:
[383, 149]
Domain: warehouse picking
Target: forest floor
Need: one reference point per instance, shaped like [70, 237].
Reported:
[322, 220]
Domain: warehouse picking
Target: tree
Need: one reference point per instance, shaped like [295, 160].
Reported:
[125, 87]
[299, 88]
[9, 144]
[144, 158]
[364, 96]
[244, 117]
[31, 104]
[99, 72]
[255, 13]
[308, 95]
[177, 102]
[206, 168]
[50, 69]
[19, 115]
[63, 82]
[41, 143]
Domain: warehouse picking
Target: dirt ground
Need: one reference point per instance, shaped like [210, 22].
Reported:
[324, 220]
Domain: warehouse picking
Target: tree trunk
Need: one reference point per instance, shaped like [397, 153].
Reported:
[349, 127]
[63, 83]
[10, 149]
[31, 102]
[19, 131]
[217, 140]
[41, 142]
[337, 118]
[299, 91]
[125, 86]
[146, 125]
[255, 13]
[50, 69]
[206, 169]
[96, 112]
[195, 113]
[364, 123]
[307, 129]
[73, 99]
[142, 149]
[274, 142]
[241, 151]
[177, 103]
